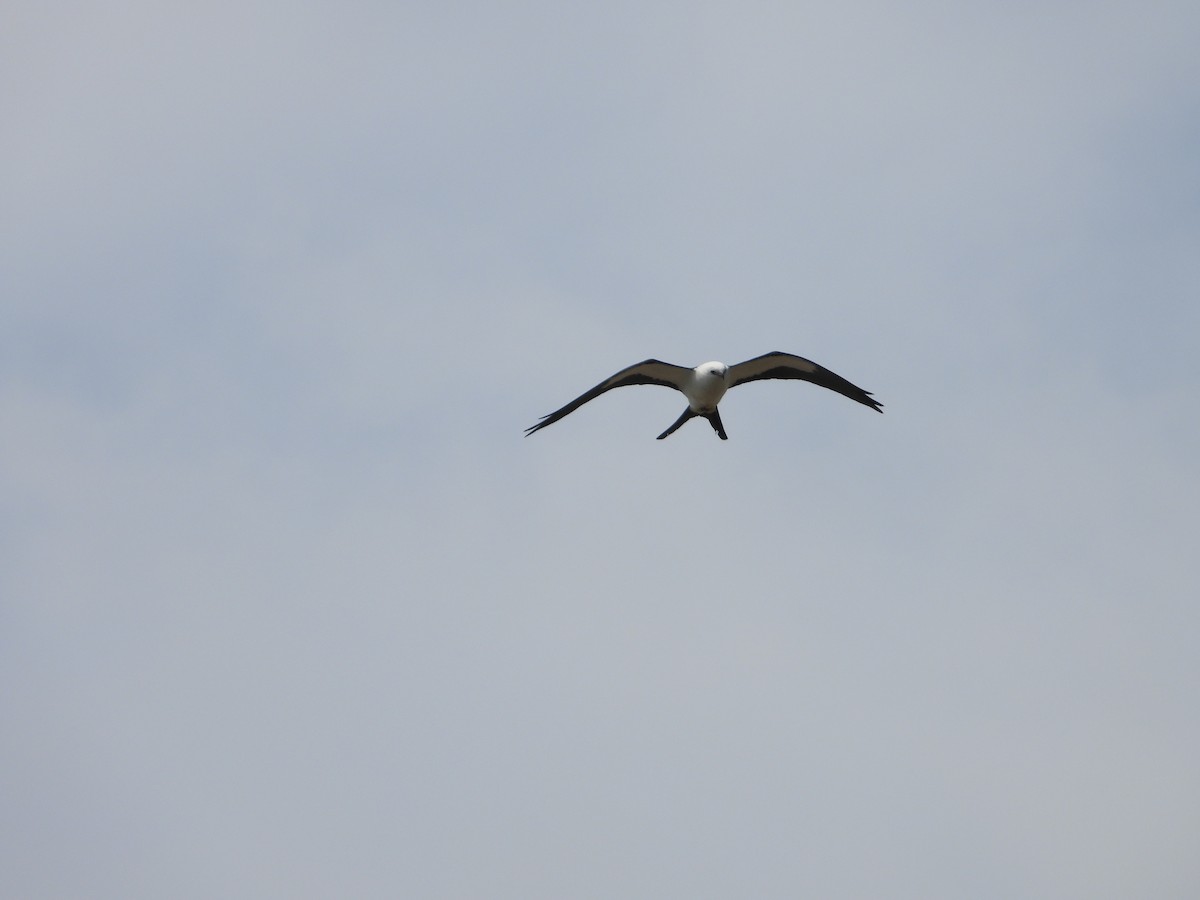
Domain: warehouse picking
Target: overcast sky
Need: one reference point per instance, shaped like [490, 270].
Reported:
[289, 607]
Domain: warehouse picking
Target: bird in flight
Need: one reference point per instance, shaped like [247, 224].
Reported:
[705, 385]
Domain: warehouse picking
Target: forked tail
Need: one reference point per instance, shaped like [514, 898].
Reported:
[714, 419]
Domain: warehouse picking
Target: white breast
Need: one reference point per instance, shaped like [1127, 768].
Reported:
[707, 386]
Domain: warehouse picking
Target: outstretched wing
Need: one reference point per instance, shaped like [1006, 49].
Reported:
[785, 365]
[650, 371]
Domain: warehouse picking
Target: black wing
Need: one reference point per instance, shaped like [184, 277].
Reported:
[650, 371]
[785, 365]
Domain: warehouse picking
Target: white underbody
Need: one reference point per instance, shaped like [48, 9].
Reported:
[706, 386]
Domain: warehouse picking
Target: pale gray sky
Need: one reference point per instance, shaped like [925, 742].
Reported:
[290, 608]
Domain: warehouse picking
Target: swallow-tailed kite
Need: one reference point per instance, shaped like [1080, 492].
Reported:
[705, 385]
